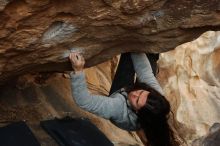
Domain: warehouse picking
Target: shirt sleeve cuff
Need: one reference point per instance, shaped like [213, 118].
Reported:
[76, 75]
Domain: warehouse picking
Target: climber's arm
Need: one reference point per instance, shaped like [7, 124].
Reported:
[103, 106]
[144, 71]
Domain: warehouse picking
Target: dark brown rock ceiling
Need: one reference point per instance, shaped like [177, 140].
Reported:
[37, 35]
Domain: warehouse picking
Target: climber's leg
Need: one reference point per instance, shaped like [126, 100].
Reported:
[125, 72]
[153, 62]
[124, 75]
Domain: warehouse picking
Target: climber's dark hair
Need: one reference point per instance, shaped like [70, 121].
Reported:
[153, 117]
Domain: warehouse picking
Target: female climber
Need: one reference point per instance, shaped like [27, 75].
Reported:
[136, 105]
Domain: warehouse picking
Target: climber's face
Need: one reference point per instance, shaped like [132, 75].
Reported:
[138, 98]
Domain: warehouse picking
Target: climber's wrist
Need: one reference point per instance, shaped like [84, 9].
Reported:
[74, 73]
[77, 71]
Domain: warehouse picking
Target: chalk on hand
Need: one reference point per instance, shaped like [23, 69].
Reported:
[77, 50]
[67, 52]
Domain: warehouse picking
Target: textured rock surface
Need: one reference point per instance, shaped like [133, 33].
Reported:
[190, 77]
[39, 97]
[210, 139]
[39, 34]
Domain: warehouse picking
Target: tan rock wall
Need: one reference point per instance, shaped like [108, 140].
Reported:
[99, 78]
[190, 78]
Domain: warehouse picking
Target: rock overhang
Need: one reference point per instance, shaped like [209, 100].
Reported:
[39, 35]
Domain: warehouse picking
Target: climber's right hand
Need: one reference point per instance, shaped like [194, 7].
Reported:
[77, 61]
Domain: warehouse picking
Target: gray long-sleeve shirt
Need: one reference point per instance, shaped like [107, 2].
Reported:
[115, 108]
